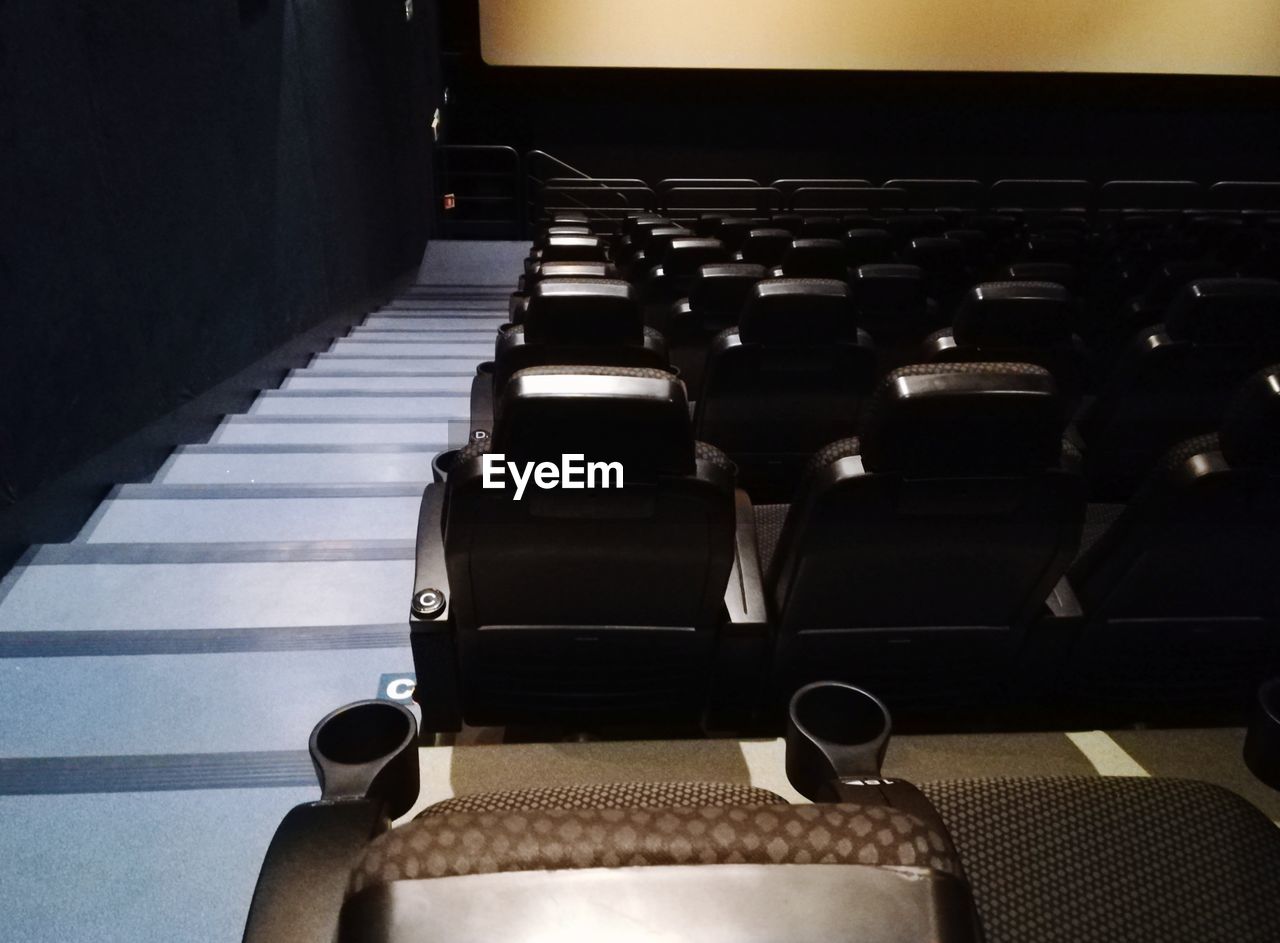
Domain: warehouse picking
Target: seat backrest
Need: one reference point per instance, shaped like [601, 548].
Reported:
[1245, 195]
[766, 245]
[1150, 195]
[815, 258]
[868, 247]
[583, 311]
[574, 249]
[720, 290]
[655, 552]
[1175, 379]
[578, 321]
[789, 378]
[953, 509]
[891, 303]
[1027, 322]
[1192, 557]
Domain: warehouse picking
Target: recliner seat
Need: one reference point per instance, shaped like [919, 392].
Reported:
[916, 556]
[1174, 379]
[789, 377]
[1180, 594]
[583, 605]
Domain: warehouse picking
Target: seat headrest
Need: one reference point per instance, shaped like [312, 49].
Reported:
[574, 249]
[1250, 433]
[805, 311]
[724, 287]
[574, 270]
[1233, 311]
[888, 287]
[1014, 314]
[632, 415]
[770, 234]
[964, 419]
[687, 254]
[583, 311]
[814, 258]
[546, 235]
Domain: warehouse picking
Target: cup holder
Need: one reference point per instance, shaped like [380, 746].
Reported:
[835, 732]
[441, 464]
[485, 369]
[368, 750]
[1262, 741]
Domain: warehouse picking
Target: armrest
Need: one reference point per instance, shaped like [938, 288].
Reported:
[431, 636]
[744, 598]
[303, 882]
[742, 653]
[482, 402]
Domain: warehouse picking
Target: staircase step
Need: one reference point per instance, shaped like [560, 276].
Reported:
[277, 464]
[447, 407]
[254, 430]
[329, 381]
[227, 513]
[473, 350]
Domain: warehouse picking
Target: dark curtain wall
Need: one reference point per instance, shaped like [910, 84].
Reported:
[187, 184]
[656, 123]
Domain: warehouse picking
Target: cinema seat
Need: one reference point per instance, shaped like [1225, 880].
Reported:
[790, 377]
[580, 606]
[813, 258]
[1173, 380]
[1003, 322]
[1180, 597]
[765, 246]
[868, 247]
[916, 556]
[673, 277]
[572, 249]
[892, 304]
[715, 302]
[577, 321]
[944, 263]
[994, 859]
[519, 302]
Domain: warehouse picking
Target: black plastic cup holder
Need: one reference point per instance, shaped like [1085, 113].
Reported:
[442, 463]
[368, 750]
[485, 369]
[1262, 741]
[835, 733]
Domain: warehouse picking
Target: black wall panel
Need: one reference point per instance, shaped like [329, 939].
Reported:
[187, 184]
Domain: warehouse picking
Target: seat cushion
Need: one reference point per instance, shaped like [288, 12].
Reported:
[550, 839]
[608, 796]
[1114, 860]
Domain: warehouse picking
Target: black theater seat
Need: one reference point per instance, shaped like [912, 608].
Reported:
[906, 227]
[673, 277]
[868, 247]
[1028, 322]
[587, 605]
[916, 556]
[571, 249]
[790, 377]
[715, 302]
[1174, 379]
[765, 246]
[569, 321]
[944, 263]
[1180, 594]
[814, 258]
[892, 304]
[520, 298]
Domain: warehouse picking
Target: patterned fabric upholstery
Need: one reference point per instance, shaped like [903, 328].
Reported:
[833, 452]
[1098, 519]
[608, 796]
[551, 839]
[705, 452]
[1114, 860]
[769, 521]
[473, 449]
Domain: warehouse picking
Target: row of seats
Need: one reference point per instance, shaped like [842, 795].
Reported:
[777, 366]
[945, 555]
[687, 198]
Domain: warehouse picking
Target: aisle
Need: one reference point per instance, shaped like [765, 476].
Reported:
[161, 672]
